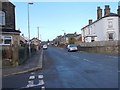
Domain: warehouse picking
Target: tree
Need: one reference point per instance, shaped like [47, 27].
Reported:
[72, 40]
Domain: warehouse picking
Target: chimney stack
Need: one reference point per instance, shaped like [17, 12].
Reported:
[99, 12]
[118, 11]
[106, 10]
[90, 21]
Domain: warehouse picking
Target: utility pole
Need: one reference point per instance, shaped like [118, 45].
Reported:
[64, 36]
[38, 32]
[29, 29]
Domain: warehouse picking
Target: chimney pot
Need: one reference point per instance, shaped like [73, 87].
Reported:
[99, 12]
[90, 21]
[118, 10]
[106, 10]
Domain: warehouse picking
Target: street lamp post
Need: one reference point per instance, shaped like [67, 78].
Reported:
[29, 29]
[64, 37]
[38, 32]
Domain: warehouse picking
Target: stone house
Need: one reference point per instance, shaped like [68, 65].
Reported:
[76, 36]
[36, 43]
[9, 36]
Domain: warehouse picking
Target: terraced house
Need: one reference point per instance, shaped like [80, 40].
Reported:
[105, 28]
[9, 36]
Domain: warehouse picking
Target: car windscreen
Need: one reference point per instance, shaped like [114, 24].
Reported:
[72, 46]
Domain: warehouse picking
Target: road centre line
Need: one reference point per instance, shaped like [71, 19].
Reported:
[86, 60]
[75, 57]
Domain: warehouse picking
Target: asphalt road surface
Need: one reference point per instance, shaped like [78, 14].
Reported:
[63, 69]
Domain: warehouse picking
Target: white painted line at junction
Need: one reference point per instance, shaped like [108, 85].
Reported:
[41, 82]
[75, 57]
[113, 56]
[40, 76]
[32, 72]
[30, 83]
[43, 88]
[86, 60]
[32, 77]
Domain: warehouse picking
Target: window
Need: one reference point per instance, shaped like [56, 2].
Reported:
[92, 39]
[2, 18]
[5, 40]
[110, 23]
[110, 36]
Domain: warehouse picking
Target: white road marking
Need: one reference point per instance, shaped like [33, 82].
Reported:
[41, 82]
[113, 56]
[32, 77]
[40, 76]
[86, 60]
[32, 72]
[75, 57]
[30, 83]
[43, 88]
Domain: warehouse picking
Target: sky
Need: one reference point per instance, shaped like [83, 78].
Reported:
[57, 18]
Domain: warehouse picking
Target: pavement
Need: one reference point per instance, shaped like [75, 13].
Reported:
[32, 64]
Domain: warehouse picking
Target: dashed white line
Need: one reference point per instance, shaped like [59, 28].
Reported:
[42, 88]
[35, 77]
[75, 57]
[86, 60]
[41, 82]
[32, 77]
[32, 72]
[40, 76]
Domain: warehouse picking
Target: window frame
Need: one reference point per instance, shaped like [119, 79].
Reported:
[5, 38]
[111, 36]
[2, 17]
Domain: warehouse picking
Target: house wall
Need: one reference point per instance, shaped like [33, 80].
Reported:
[9, 10]
[114, 28]
[101, 29]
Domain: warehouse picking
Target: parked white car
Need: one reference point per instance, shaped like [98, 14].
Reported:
[72, 47]
[45, 46]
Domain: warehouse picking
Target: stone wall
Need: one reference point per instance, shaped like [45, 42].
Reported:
[108, 47]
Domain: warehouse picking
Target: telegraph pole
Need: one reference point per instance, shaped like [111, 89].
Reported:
[38, 32]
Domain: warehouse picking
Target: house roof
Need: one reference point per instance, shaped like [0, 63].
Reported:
[108, 15]
[70, 35]
[35, 39]
[10, 30]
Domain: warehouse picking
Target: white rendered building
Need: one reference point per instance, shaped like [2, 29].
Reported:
[104, 28]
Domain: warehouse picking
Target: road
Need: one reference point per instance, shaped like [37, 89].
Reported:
[63, 69]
